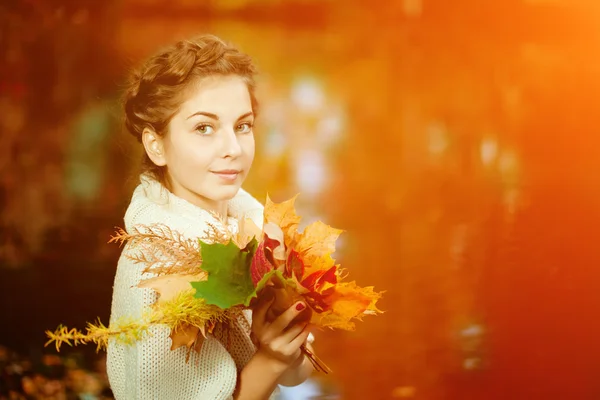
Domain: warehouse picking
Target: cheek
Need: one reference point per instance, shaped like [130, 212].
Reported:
[200, 155]
[191, 154]
[249, 147]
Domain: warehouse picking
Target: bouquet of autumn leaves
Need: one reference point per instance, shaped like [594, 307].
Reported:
[201, 287]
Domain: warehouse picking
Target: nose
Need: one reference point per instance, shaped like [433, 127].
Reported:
[231, 145]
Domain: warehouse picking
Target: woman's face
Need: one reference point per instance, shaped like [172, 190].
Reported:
[209, 147]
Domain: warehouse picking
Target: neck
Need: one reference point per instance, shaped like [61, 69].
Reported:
[218, 207]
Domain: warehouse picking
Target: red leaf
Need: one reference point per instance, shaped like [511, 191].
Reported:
[260, 264]
[329, 276]
[317, 302]
[317, 280]
[271, 243]
[294, 266]
[269, 246]
[309, 281]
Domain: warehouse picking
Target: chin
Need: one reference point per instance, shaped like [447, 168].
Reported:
[225, 193]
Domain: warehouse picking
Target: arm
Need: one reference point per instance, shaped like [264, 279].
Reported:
[259, 378]
[298, 372]
[279, 358]
[149, 369]
[263, 373]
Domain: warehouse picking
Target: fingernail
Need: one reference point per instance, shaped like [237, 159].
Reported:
[300, 306]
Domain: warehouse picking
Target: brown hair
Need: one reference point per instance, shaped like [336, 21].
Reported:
[155, 91]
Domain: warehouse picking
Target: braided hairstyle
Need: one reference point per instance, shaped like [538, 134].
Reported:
[156, 91]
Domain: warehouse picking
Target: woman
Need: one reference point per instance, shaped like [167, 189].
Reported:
[193, 108]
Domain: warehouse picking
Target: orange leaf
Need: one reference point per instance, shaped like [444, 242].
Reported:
[284, 296]
[364, 298]
[185, 335]
[348, 302]
[169, 286]
[189, 336]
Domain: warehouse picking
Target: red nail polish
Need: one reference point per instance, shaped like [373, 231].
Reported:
[300, 306]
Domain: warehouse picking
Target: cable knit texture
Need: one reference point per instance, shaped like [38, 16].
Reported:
[149, 369]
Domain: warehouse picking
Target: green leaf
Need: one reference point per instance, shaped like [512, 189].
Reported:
[261, 284]
[229, 282]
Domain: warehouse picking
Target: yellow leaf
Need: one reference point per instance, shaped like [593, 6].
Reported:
[169, 286]
[247, 230]
[365, 296]
[313, 263]
[316, 244]
[336, 304]
[274, 232]
[283, 215]
[333, 321]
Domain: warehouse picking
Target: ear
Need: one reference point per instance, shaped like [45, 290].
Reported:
[154, 146]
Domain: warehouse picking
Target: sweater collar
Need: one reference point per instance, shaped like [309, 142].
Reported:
[157, 193]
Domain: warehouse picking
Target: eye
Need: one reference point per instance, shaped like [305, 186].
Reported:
[246, 127]
[204, 129]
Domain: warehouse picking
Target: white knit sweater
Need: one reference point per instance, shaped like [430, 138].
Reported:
[149, 369]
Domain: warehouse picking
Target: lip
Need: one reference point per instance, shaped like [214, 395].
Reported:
[227, 175]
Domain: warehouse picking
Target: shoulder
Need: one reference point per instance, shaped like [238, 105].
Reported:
[152, 203]
[149, 207]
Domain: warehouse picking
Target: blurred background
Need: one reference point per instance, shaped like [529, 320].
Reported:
[454, 141]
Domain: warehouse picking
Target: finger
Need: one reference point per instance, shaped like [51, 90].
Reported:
[288, 316]
[292, 333]
[260, 312]
[285, 344]
[301, 338]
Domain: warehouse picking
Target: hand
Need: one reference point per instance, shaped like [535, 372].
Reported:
[280, 339]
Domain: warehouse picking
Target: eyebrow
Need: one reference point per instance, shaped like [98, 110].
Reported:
[216, 117]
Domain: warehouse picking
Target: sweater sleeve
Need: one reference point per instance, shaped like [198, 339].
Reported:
[148, 369]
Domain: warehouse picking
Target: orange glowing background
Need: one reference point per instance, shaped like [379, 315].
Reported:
[456, 142]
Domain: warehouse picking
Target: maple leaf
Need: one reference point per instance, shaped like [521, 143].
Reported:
[190, 336]
[186, 335]
[261, 264]
[346, 303]
[284, 216]
[294, 267]
[316, 244]
[247, 230]
[228, 267]
[259, 289]
[275, 239]
[168, 288]
[311, 274]
[321, 280]
[285, 292]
